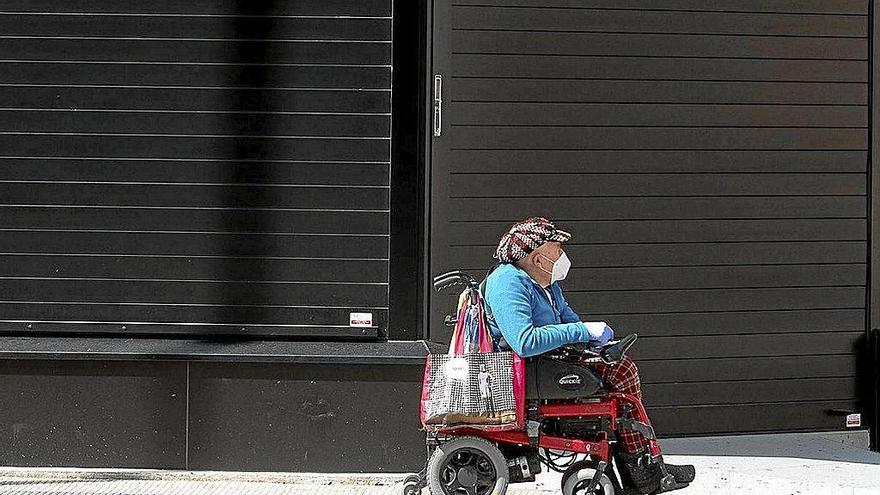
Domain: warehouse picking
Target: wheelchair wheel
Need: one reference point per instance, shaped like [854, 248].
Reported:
[467, 466]
[576, 480]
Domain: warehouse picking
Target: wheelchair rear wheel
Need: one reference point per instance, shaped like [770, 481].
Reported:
[467, 466]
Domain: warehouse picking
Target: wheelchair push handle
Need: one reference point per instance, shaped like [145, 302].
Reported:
[455, 277]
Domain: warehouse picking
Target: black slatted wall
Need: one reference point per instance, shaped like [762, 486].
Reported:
[710, 160]
[210, 166]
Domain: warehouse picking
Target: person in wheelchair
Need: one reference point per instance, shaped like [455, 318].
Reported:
[531, 317]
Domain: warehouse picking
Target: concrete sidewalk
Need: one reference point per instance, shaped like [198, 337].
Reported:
[747, 465]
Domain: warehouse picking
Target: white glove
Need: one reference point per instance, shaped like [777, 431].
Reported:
[599, 331]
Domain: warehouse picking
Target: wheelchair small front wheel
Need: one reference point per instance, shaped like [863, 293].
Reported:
[469, 465]
[578, 477]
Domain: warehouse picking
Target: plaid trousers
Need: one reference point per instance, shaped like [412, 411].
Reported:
[624, 377]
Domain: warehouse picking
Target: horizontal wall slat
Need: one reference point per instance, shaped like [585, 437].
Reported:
[243, 171]
[773, 417]
[656, 161]
[654, 68]
[634, 114]
[209, 7]
[597, 185]
[231, 75]
[370, 247]
[563, 209]
[770, 6]
[658, 45]
[194, 99]
[153, 146]
[747, 346]
[634, 21]
[236, 27]
[361, 53]
[748, 392]
[683, 254]
[240, 125]
[310, 221]
[221, 196]
[757, 368]
[623, 91]
[488, 233]
[200, 316]
[733, 323]
[183, 268]
[230, 293]
[714, 276]
[691, 300]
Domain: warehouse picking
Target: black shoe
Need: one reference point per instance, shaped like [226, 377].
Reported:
[639, 472]
[682, 474]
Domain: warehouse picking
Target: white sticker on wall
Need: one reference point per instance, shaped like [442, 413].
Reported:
[360, 319]
[853, 420]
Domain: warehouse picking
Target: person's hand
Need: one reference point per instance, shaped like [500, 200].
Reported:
[599, 331]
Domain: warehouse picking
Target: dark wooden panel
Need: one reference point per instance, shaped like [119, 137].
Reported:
[162, 317]
[641, 185]
[239, 125]
[674, 371]
[157, 146]
[712, 92]
[733, 322]
[713, 155]
[776, 417]
[229, 171]
[93, 414]
[305, 222]
[748, 392]
[178, 74]
[717, 299]
[770, 6]
[196, 244]
[185, 268]
[564, 209]
[620, 231]
[226, 293]
[747, 346]
[229, 26]
[359, 53]
[217, 99]
[208, 7]
[183, 195]
[597, 114]
[655, 161]
[655, 68]
[655, 45]
[716, 277]
[682, 254]
[634, 21]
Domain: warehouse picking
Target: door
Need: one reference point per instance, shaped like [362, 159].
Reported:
[709, 159]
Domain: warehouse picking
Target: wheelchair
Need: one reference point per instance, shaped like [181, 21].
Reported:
[570, 415]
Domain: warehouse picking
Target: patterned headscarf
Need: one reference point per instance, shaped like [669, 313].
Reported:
[524, 237]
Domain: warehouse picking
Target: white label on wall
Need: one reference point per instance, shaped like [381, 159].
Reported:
[853, 420]
[360, 319]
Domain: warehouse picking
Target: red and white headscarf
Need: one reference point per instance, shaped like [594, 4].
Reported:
[524, 237]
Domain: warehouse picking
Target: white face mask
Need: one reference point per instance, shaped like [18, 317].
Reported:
[560, 268]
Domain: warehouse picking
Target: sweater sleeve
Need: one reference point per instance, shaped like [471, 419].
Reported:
[511, 305]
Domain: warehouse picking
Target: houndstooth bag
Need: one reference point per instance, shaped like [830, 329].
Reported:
[471, 385]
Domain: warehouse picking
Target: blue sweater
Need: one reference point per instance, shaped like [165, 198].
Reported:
[524, 316]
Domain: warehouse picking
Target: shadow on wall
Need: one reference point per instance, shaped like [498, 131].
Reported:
[244, 163]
